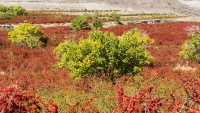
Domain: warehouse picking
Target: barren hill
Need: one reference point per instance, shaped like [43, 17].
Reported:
[152, 6]
[165, 6]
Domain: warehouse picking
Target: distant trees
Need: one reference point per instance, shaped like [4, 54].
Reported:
[105, 54]
[8, 12]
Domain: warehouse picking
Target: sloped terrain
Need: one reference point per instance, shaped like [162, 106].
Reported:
[157, 6]
[151, 6]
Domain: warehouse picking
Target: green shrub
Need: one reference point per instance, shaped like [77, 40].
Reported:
[17, 10]
[3, 8]
[80, 23]
[105, 54]
[9, 12]
[191, 48]
[114, 16]
[5, 15]
[97, 23]
[27, 34]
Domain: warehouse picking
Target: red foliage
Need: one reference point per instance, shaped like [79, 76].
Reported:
[147, 101]
[40, 18]
[32, 68]
[14, 100]
[85, 108]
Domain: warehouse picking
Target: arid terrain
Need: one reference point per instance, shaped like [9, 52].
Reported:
[134, 6]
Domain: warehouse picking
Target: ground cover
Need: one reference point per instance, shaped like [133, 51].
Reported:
[38, 18]
[34, 70]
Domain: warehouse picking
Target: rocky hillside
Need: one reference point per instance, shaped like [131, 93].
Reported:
[152, 6]
[165, 6]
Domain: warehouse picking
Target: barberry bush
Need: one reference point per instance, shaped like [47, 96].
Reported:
[146, 101]
[13, 100]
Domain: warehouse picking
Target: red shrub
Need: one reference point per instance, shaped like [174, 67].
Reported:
[14, 100]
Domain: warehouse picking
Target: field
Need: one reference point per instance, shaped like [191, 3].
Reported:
[170, 84]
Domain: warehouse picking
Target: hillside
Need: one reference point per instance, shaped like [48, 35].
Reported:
[152, 6]
[163, 6]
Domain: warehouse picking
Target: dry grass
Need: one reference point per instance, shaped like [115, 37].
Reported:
[192, 30]
[185, 68]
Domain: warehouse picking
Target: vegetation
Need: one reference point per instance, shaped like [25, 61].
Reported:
[17, 10]
[97, 23]
[8, 12]
[191, 48]
[27, 34]
[104, 53]
[14, 100]
[29, 77]
[114, 16]
[80, 23]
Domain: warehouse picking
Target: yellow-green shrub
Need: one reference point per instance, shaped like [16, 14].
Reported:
[26, 33]
[105, 54]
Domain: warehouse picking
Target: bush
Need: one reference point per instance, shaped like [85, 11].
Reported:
[191, 48]
[147, 101]
[17, 10]
[5, 15]
[105, 54]
[13, 100]
[114, 16]
[80, 23]
[3, 8]
[8, 12]
[97, 23]
[27, 34]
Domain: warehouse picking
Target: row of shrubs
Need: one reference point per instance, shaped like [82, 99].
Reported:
[81, 23]
[8, 12]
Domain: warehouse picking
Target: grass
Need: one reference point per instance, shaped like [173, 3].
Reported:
[104, 93]
[100, 92]
[185, 68]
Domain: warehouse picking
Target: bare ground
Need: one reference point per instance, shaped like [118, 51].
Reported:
[150, 6]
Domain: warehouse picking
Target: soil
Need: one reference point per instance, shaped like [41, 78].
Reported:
[133, 6]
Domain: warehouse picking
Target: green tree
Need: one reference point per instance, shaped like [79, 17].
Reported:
[114, 16]
[26, 33]
[80, 23]
[191, 48]
[105, 54]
